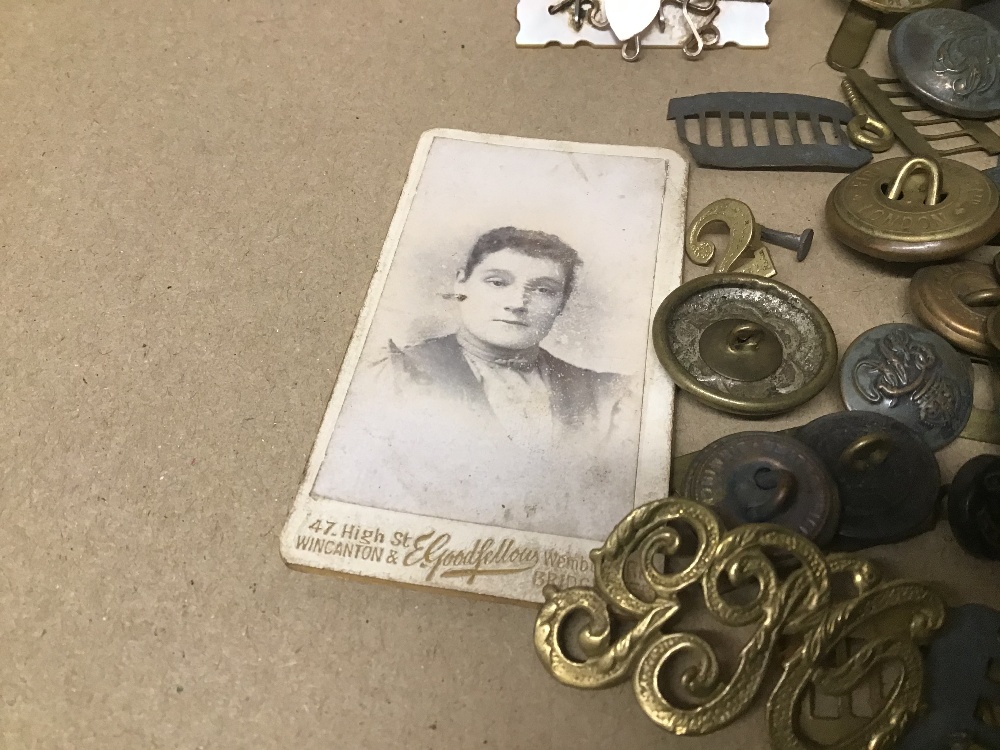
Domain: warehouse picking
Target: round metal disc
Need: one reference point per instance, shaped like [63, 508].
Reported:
[887, 478]
[863, 217]
[910, 374]
[947, 59]
[718, 475]
[898, 6]
[962, 505]
[806, 338]
[741, 349]
[938, 297]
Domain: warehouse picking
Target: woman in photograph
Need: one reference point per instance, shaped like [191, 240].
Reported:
[484, 424]
[513, 286]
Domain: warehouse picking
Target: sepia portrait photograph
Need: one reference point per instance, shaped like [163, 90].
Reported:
[502, 359]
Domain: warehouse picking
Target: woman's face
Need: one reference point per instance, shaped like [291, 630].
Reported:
[511, 299]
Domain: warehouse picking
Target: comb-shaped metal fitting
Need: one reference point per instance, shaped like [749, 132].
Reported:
[881, 95]
[741, 109]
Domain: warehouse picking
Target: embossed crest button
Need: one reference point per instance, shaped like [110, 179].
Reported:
[949, 60]
[744, 344]
[956, 300]
[757, 477]
[912, 375]
[914, 210]
[887, 477]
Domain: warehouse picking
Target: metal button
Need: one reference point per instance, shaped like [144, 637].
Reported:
[974, 507]
[910, 374]
[887, 478]
[955, 300]
[743, 344]
[756, 477]
[914, 210]
[947, 59]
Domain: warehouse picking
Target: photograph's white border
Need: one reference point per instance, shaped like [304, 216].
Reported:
[653, 469]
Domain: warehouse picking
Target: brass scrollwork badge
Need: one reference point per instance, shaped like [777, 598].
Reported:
[759, 576]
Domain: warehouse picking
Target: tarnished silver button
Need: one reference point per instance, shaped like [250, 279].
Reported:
[744, 344]
[887, 477]
[758, 477]
[949, 60]
[912, 375]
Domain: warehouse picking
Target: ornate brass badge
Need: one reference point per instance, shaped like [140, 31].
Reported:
[757, 576]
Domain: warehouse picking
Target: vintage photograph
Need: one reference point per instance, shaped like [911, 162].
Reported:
[501, 375]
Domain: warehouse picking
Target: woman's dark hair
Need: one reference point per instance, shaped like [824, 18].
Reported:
[528, 242]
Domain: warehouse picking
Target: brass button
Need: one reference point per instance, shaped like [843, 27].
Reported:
[744, 344]
[912, 375]
[955, 300]
[757, 477]
[914, 210]
[887, 477]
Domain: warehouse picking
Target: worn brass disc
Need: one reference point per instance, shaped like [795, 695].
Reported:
[806, 338]
[887, 477]
[741, 349]
[940, 297]
[913, 228]
[910, 374]
[749, 477]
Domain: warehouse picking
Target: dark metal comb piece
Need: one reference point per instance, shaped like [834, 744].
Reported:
[880, 94]
[789, 111]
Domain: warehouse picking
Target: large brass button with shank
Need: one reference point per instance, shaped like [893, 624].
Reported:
[956, 300]
[743, 344]
[757, 477]
[887, 477]
[910, 374]
[914, 210]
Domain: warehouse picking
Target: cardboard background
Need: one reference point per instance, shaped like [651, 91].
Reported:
[194, 196]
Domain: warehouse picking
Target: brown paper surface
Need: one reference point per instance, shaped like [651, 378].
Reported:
[194, 196]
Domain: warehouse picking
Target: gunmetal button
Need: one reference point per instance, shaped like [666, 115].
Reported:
[974, 507]
[887, 477]
[754, 477]
[912, 375]
[948, 60]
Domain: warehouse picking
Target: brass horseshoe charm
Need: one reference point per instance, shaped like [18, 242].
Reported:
[744, 236]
